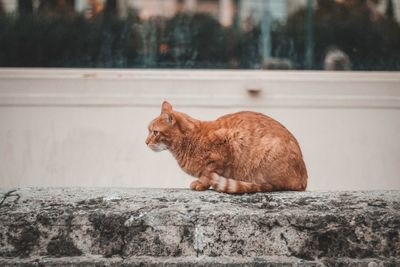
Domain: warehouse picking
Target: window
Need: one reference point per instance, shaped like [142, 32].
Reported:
[210, 34]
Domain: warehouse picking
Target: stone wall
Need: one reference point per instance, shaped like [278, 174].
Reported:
[175, 227]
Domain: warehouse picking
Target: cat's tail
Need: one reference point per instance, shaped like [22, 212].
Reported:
[227, 185]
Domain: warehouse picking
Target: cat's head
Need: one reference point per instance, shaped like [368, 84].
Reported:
[162, 129]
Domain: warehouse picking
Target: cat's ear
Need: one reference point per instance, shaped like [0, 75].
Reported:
[166, 112]
[166, 107]
[168, 117]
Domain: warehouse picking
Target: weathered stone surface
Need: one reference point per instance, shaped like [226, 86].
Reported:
[157, 261]
[184, 228]
[98, 261]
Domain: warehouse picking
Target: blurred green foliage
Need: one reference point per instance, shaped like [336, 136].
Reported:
[64, 41]
[195, 40]
[372, 41]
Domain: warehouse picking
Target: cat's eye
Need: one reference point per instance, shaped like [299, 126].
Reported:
[155, 133]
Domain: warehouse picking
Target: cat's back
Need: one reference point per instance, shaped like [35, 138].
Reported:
[249, 131]
[253, 123]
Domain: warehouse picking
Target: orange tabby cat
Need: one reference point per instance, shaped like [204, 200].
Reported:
[237, 153]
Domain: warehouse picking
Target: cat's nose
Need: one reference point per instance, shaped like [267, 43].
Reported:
[147, 141]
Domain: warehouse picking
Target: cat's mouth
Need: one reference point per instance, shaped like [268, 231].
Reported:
[157, 147]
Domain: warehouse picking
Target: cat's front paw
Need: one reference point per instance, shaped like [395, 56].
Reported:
[197, 185]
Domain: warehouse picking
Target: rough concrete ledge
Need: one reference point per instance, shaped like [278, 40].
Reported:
[175, 227]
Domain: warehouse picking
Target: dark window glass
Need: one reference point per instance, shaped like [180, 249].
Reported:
[213, 34]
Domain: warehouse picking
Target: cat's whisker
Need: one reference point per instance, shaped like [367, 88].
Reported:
[157, 147]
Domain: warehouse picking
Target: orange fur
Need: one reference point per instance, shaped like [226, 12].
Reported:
[237, 153]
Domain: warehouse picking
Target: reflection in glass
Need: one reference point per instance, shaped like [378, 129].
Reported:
[232, 34]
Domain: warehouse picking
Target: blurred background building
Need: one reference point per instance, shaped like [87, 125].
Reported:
[252, 34]
[224, 10]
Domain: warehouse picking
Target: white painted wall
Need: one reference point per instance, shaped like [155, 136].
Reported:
[88, 127]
